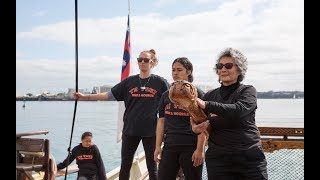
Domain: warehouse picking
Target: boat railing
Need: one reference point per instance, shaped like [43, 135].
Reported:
[276, 138]
[18, 135]
[284, 151]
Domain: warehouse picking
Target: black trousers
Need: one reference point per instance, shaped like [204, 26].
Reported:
[128, 149]
[225, 164]
[174, 157]
[87, 177]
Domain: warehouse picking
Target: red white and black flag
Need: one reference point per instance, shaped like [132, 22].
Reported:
[126, 54]
[124, 74]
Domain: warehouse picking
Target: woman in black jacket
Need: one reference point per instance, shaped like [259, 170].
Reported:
[88, 159]
[235, 150]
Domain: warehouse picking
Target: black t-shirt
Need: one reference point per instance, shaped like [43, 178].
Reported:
[177, 127]
[140, 116]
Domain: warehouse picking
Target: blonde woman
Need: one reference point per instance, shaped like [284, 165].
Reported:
[141, 94]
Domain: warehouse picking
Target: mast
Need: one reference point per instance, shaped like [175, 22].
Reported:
[76, 101]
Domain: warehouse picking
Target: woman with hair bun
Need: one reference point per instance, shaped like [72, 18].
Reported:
[141, 94]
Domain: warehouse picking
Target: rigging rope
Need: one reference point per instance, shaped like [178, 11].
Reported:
[76, 101]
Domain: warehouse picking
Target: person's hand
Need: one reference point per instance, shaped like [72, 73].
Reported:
[78, 96]
[197, 157]
[201, 103]
[59, 166]
[157, 155]
[199, 128]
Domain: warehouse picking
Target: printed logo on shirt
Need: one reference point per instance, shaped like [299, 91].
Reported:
[175, 111]
[84, 156]
[147, 92]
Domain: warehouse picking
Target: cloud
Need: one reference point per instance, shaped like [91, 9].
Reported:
[59, 74]
[269, 33]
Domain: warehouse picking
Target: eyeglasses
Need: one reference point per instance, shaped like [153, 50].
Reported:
[146, 60]
[226, 65]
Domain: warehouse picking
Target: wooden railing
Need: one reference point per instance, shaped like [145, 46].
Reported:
[31, 133]
[275, 138]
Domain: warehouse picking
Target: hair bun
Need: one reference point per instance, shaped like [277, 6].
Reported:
[153, 51]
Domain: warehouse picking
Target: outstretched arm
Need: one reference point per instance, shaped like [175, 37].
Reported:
[65, 163]
[93, 97]
[245, 104]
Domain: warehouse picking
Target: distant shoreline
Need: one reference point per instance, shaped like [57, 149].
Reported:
[260, 95]
[26, 99]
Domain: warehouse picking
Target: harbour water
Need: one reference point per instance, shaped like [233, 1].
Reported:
[100, 117]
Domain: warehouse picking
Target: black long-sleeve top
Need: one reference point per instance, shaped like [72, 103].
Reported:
[88, 159]
[231, 110]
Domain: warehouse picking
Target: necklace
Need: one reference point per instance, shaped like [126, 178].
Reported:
[142, 88]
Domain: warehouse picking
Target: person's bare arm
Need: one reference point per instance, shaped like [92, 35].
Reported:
[91, 97]
[198, 154]
[159, 139]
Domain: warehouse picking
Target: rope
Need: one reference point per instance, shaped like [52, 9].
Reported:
[76, 101]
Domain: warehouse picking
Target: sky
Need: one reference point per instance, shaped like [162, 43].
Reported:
[270, 33]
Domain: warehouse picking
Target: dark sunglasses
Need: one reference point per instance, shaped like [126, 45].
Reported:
[226, 65]
[146, 60]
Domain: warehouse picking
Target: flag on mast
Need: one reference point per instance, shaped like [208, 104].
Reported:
[124, 74]
[126, 54]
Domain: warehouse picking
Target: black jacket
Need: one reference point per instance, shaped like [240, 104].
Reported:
[232, 116]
